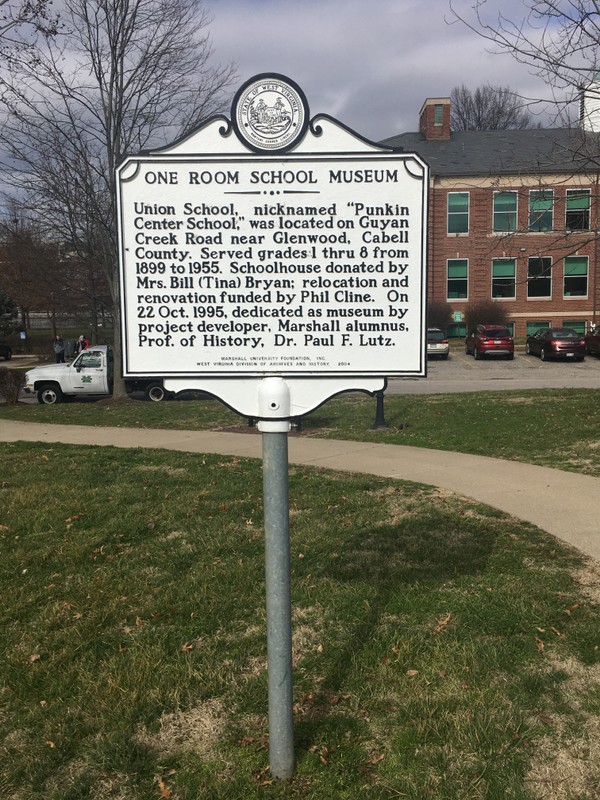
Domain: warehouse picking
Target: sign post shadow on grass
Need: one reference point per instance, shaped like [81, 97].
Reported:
[274, 261]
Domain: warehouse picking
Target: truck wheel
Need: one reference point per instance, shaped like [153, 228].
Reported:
[155, 392]
[49, 394]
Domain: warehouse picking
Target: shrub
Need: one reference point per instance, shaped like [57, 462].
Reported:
[485, 312]
[11, 383]
[439, 314]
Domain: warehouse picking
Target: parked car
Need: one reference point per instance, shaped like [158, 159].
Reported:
[5, 351]
[490, 340]
[556, 343]
[437, 343]
[592, 341]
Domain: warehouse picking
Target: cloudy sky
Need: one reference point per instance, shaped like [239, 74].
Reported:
[369, 63]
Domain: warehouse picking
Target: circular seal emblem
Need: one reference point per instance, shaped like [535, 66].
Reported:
[270, 113]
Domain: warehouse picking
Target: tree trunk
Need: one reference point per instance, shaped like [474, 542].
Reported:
[119, 382]
[94, 319]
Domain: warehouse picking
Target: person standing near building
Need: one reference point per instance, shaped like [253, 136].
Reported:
[82, 344]
[59, 349]
[69, 349]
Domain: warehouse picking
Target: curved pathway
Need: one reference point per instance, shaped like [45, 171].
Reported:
[565, 504]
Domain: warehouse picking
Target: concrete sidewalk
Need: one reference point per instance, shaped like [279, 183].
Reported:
[565, 504]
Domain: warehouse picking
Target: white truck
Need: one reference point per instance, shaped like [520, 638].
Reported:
[91, 373]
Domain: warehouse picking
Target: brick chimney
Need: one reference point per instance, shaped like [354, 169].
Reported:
[434, 119]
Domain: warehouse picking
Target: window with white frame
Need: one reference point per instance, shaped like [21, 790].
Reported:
[458, 212]
[541, 210]
[576, 276]
[539, 277]
[457, 287]
[505, 212]
[504, 285]
[577, 214]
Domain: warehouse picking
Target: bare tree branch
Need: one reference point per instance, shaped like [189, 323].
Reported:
[559, 40]
[34, 13]
[487, 108]
[117, 77]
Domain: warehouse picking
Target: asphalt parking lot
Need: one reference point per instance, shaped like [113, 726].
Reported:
[461, 373]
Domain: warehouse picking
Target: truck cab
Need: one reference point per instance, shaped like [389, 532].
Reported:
[90, 373]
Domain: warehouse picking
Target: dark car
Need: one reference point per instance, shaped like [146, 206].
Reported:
[5, 351]
[556, 343]
[437, 343]
[592, 341]
[490, 340]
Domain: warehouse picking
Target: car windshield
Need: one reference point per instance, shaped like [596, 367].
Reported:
[564, 333]
[496, 333]
[435, 336]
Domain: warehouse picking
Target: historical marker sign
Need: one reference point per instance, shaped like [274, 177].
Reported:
[273, 261]
[271, 246]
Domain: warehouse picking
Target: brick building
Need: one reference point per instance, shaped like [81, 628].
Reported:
[513, 217]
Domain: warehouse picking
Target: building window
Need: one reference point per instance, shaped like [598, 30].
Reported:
[541, 205]
[535, 325]
[503, 278]
[458, 279]
[578, 325]
[438, 114]
[539, 277]
[577, 216]
[505, 212]
[458, 212]
[576, 276]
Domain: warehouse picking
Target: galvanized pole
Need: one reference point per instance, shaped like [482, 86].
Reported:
[275, 402]
[279, 604]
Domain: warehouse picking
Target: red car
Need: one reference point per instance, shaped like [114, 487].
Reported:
[556, 343]
[490, 340]
[592, 341]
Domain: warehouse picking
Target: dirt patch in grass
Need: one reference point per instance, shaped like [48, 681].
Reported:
[161, 468]
[593, 445]
[68, 776]
[567, 760]
[526, 401]
[112, 787]
[199, 729]
[588, 578]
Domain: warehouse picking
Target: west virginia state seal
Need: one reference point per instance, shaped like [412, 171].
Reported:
[270, 113]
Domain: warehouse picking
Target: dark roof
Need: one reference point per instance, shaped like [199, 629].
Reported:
[510, 152]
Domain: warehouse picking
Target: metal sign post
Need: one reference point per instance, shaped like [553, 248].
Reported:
[279, 602]
[274, 261]
[275, 399]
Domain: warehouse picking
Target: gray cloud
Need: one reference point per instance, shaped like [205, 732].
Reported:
[369, 64]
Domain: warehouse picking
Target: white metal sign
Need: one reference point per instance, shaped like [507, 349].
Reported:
[240, 260]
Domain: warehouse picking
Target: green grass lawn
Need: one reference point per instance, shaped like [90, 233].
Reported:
[441, 649]
[552, 427]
